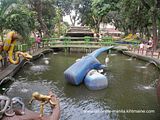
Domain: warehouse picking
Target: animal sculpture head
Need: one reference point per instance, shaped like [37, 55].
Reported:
[35, 96]
[25, 55]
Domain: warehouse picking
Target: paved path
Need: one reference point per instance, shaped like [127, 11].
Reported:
[151, 54]
[153, 57]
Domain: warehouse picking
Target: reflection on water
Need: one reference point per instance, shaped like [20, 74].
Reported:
[129, 59]
[27, 62]
[142, 67]
[46, 58]
[142, 87]
[55, 53]
[42, 54]
[150, 86]
[112, 54]
[37, 69]
[127, 89]
[147, 64]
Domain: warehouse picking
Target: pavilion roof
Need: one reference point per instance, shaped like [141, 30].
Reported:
[79, 31]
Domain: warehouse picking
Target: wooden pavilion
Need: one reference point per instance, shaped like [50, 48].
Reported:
[79, 31]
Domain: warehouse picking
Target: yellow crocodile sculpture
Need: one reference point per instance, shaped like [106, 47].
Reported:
[9, 45]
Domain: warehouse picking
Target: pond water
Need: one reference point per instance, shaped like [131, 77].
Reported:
[131, 94]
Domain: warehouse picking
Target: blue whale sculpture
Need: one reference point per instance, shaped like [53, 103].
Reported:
[76, 73]
[95, 80]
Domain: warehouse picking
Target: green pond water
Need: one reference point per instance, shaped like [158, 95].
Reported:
[130, 95]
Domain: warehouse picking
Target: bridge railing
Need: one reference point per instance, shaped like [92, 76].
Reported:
[68, 41]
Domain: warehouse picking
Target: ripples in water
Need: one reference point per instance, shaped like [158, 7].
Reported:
[46, 58]
[143, 87]
[151, 86]
[37, 69]
[112, 54]
[36, 107]
[55, 53]
[85, 109]
[141, 67]
[77, 102]
[24, 90]
[129, 59]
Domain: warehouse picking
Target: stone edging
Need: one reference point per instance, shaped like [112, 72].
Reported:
[155, 61]
[124, 51]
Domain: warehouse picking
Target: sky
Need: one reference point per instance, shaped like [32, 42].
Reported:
[67, 19]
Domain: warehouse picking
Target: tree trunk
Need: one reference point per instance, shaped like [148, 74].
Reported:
[1, 34]
[96, 27]
[70, 16]
[154, 24]
[59, 28]
[158, 31]
[43, 25]
[37, 6]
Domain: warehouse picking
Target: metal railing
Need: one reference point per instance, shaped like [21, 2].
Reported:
[146, 52]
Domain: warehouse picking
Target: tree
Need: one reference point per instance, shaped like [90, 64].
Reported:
[85, 13]
[99, 9]
[93, 12]
[57, 21]
[6, 7]
[151, 6]
[45, 12]
[131, 17]
[71, 8]
[21, 20]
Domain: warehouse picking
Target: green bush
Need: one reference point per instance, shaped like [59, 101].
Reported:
[16, 48]
[107, 39]
[30, 42]
[22, 47]
[66, 40]
[87, 39]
